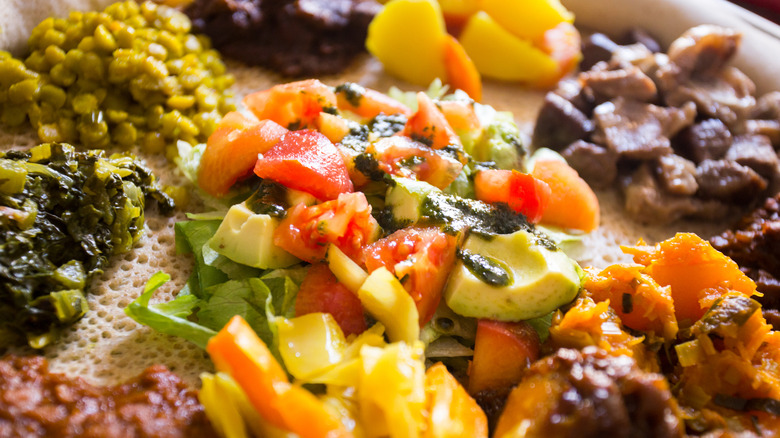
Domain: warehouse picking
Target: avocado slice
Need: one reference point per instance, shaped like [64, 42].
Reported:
[511, 277]
[247, 238]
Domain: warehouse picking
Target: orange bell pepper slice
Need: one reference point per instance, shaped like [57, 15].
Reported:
[237, 350]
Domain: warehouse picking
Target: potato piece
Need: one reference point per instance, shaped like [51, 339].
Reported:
[408, 37]
[500, 55]
[527, 19]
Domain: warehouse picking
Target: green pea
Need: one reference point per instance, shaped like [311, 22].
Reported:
[207, 121]
[155, 68]
[33, 113]
[67, 129]
[188, 128]
[92, 67]
[154, 116]
[73, 58]
[13, 117]
[53, 95]
[207, 98]
[116, 116]
[158, 51]
[54, 55]
[37, 61]
[94, 134]
[12, 71]
[181, 103]
[125, 134]
[171, 43]
[169, 124]
[24, 91]
[153, 143]
[87, 44]
[62, 76]
[171, 87]
[49, 133]
[104, 40]
[52, 37]
[84, 103]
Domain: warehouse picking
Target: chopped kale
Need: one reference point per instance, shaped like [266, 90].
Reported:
[62, 215]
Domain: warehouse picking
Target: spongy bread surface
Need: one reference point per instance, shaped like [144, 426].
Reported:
[107, 347]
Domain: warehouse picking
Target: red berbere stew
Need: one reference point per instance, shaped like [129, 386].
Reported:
[36, 403]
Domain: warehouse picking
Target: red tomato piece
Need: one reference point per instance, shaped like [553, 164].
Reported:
[462, 74]
[231, 150]
[306, 160]
[430, 126]
[321, 292]
[502, 353]
[421, 258]
[368, 103]
[460, 115]
[295, 105]
[522, 192]
[402, 156]
[562, 43]
[346, 222]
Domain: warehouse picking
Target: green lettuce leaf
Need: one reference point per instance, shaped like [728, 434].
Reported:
[191, 236]
[170, 317]
[246, 298]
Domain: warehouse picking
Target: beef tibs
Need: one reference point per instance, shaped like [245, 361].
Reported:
[754, 244]
[683, 133]
[293, 37]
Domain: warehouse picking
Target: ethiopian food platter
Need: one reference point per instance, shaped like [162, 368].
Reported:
[407, 218]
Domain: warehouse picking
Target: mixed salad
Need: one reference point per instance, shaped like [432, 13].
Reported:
[367, 238]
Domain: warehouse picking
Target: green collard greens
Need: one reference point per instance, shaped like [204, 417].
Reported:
[62, 215]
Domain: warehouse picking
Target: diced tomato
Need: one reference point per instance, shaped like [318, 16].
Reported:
[332, 126]
[429, 125]
[572, 202]
[460, 115]
[321, 292]
[522, 192]
[462, 74]
[346, 222]
[421, 258]
[368, 103]
[562, 43]
[295, 105]
[402, 156]
[502, 353]
[307, 161]
[231, 150]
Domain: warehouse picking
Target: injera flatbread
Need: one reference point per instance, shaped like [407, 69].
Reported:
[107, 347]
